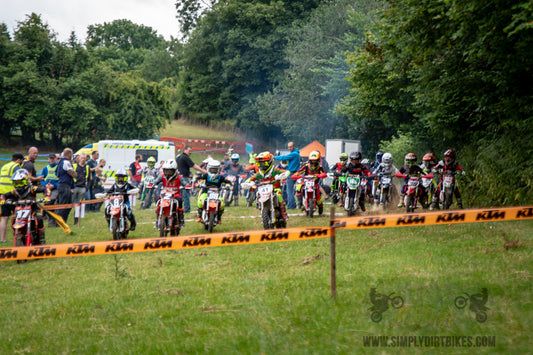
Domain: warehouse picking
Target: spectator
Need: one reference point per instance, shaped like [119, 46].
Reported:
[28, 164]
[293, 159]
[135, 171]
[185, 163]
[6, 186]
[80, 185]
[51, 182]
[99, 180]
[65, 174]
[92, 163]
[226, 161]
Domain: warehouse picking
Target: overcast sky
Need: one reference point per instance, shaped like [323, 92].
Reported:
[64, 16]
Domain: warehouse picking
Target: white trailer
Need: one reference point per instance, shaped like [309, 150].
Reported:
[119, 154]
[334, 148]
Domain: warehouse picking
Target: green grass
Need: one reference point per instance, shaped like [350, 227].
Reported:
[182, 129]
[271, 298]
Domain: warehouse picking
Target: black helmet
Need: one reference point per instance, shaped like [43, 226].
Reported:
[356, 156]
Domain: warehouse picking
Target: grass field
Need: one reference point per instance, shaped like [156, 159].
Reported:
[272, 298]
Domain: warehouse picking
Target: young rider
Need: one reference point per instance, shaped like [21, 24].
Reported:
[121, 186]
[448, 166]
[386, 167]
[235, 169]
[313, 167]
[354, 167]
[23, 190]
[410, 168]
[337, 172]
[173, 181]
[150, 171]
[212, 178]
[269, 173]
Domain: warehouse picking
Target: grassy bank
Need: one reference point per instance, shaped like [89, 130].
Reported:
[274, 298]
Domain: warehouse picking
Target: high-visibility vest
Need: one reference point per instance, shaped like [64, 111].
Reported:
[51, 175]
[75, 166]
[5, 177]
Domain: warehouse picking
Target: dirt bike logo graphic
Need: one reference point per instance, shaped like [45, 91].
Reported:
[477, 304]
[381, 304]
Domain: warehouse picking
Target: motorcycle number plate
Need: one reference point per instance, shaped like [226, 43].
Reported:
[264, 192]
[212, 195]
[353, 181]
[448, 179]
[413, 182]
[23, 213]
[386, 180]
[309, 183]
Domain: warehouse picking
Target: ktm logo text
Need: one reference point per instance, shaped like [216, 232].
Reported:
[371, 222]
[42, 251]
[80, 249]
[450, 217]
[274, 235]
[8, 253]
[313, 232]
[119, 246]
[196, 241]
[526, 212]
[158, 244]
[412, 219]
[490, 215]
[236, 238]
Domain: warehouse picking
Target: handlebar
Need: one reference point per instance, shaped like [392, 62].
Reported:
[23, 202]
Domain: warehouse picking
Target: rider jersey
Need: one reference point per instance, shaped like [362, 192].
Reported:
[271, 178]
[441, 167]
[174, 185]
[146, 172]
[355, 169]
[306, 170]
[385, 169]
[216, 182]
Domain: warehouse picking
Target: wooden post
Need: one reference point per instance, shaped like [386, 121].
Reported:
[333, 268]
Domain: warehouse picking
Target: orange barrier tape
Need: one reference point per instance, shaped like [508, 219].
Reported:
[435, 218]
[169, 243]
[72, 205]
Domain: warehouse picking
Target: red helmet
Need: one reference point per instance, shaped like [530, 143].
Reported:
[429, 157]
[449, 156]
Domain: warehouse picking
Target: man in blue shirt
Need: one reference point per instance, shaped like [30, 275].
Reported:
[293, 159]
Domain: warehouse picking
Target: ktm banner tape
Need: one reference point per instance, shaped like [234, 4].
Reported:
[435, 218]
[168, 243]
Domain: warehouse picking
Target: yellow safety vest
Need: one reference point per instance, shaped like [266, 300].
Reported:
[5, 177]
[75, 166]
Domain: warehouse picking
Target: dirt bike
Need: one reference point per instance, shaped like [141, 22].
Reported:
[116, 209]
[412, 191]
[352, 194]
[429, 190]
[227, 192]
[210, 209]
[24, 225]
[148, 192]
[382, 304]
[269, 206]
[447, 189]
[385, 190]
[477, 305]
[167, 211]
[251, 196]
[366, 188]
[337, 191]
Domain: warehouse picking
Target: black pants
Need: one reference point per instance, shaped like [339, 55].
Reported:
[64, 197]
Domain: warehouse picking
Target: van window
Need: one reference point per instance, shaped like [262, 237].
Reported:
[147, 153]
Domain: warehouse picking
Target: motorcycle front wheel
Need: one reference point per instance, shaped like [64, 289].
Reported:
[266, 219]
[350, 211]
[409, 204]
[211, 223]
[115, 228]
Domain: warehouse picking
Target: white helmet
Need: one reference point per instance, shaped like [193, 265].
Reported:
[170, 169]
[213, 169]
[387, 159]
[121, 178]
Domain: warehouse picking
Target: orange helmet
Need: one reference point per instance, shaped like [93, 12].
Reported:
[428, 157]
[265, 161]
[314, 159]
[410, 159]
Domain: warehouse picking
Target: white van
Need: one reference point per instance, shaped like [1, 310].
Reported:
[119, 154]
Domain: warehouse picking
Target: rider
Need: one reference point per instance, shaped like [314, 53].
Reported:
[25, 191]
[355, 167]
[313, 167]
[121, 186]
[150, 171]
[212, 178]
[379, 159]
[269, 173]
[410, 168]
[386, 167]
[449, 165]
[235, 169]
[172, 180]
[337, 172]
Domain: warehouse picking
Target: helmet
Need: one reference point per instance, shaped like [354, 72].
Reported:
[379, 156]
[365, 162]
[387, 159]
[284, 164]
[235, 158]
[449, 157]
[121, 177]
[344, 158]
[428, 157]
[151, 162]
[170, 169]
[314, 159]
[410, 159]
[20, 178]
[213, 169]
[265, 161]
[356, 156]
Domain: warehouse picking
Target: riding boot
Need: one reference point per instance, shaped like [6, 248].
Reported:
[283, 211]
[219, 217]
[133, 223]
[181, 219]
[400, 205]
[362, 205]
[42, 240]
[460, 203]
